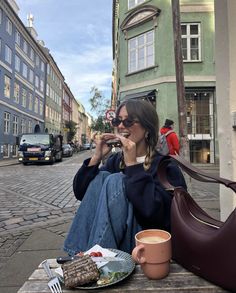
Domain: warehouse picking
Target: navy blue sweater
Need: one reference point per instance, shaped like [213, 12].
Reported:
[151, 202]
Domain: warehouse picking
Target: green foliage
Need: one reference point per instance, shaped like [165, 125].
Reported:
[101, 125]
[71, 125]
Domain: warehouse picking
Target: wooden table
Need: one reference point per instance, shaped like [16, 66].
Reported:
[179, 280]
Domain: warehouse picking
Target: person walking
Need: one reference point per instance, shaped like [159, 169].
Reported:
[171, 137]
[122, 196]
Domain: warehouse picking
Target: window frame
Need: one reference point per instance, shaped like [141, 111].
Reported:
[7, 86]
[136, 51]
[188, 36]
[7, 119]
[8, 54]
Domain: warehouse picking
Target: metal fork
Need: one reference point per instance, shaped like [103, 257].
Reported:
[53, 284]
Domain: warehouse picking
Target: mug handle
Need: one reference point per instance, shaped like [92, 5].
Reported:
[136, 254]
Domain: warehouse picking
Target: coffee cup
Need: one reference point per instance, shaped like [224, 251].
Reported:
[153, 252]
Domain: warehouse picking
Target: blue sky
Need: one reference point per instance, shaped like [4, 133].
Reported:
[79, 36]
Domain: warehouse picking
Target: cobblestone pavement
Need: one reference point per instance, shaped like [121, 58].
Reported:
[33, 197]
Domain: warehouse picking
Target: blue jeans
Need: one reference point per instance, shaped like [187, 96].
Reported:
[104, 217]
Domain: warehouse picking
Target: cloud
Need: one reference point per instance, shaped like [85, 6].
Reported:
[93, 67]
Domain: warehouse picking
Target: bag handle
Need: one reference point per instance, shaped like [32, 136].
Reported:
[191, 171]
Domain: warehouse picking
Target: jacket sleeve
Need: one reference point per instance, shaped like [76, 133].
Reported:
[150, 200]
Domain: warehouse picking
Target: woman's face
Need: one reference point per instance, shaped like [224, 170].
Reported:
[136, 132]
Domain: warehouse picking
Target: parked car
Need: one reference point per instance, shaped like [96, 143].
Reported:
[67, 150]
[86, 146]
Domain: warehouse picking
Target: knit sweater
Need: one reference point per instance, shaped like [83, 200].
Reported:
[151, 202]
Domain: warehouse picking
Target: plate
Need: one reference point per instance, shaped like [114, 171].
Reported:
[117, 266]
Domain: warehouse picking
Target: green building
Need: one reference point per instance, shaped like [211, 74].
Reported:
[144, 65]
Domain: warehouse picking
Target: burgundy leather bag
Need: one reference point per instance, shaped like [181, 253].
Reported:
[201, 244]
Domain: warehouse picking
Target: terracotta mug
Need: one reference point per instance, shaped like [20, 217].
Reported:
[153, 252]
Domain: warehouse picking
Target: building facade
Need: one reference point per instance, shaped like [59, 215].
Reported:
[143, 37]
[22, 81]
[54, 97]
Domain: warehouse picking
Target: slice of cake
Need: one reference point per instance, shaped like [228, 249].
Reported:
[80, 271]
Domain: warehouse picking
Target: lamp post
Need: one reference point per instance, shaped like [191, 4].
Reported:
[183, 136]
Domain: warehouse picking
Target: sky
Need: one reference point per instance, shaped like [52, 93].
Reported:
[78, 34]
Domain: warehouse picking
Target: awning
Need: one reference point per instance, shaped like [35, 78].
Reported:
[151, 95]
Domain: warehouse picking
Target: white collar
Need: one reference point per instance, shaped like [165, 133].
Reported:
[141, 159]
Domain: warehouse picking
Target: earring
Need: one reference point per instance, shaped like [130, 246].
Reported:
[147, 135]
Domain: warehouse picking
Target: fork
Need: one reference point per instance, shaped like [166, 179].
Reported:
[53, 283]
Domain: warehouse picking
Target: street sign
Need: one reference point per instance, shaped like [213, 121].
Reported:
[110, 114]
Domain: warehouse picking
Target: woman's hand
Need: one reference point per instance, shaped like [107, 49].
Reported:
[129, 150]
[102, 149]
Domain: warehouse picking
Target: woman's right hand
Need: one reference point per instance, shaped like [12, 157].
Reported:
[102, 149]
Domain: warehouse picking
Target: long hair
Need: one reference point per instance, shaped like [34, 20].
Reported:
[146, 114]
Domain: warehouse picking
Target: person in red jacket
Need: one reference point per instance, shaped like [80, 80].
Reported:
[172, 138]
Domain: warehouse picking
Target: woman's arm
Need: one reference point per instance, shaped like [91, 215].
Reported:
[150, 200]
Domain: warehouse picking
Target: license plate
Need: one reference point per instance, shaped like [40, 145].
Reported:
[33, 159]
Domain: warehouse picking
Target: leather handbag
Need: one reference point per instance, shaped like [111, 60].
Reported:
[200, 243]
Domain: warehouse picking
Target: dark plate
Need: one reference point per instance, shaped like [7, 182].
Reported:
[117, 266]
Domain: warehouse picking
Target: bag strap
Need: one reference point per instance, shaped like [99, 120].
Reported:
[191, 171]
[168, 132]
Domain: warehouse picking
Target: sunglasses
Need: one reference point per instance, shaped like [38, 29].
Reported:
[126, 122]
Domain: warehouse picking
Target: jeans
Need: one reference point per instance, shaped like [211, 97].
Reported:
[104, 217]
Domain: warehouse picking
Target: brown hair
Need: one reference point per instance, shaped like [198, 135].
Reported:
[146, 114]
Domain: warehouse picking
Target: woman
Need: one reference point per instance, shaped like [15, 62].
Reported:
[123, 196]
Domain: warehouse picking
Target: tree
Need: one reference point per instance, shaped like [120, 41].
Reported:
[71, 125]
[99, 104]
[101, 125]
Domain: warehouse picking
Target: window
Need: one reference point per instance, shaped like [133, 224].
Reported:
[191, 41]
[25, 70]
[23, 126]
[36, 81]
[6, 122]
[36, 105]
[37, 60]
[24, 97]
[42, 66]
[17, 63]
[8, 54]
[16, 92]
[141, 52]
[30, 126]
[30, 101]
[15, 125]
[17, 38]
[31, 76]
[41, 85]
[41, 108]
[9, 26]
[0, 15]
[133, 3]
[25, 46]
[31, 54]
[0, 46]
[7, 86]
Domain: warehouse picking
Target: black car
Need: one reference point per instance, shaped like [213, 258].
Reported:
[67, 150]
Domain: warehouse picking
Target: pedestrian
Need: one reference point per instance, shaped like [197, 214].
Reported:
[124, 195]
[171, 137]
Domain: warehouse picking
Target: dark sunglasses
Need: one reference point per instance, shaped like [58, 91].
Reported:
[126, 122]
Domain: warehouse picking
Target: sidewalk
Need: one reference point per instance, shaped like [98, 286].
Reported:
[8, 162]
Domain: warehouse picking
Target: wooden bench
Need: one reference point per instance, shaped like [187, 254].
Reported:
[179, 280]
